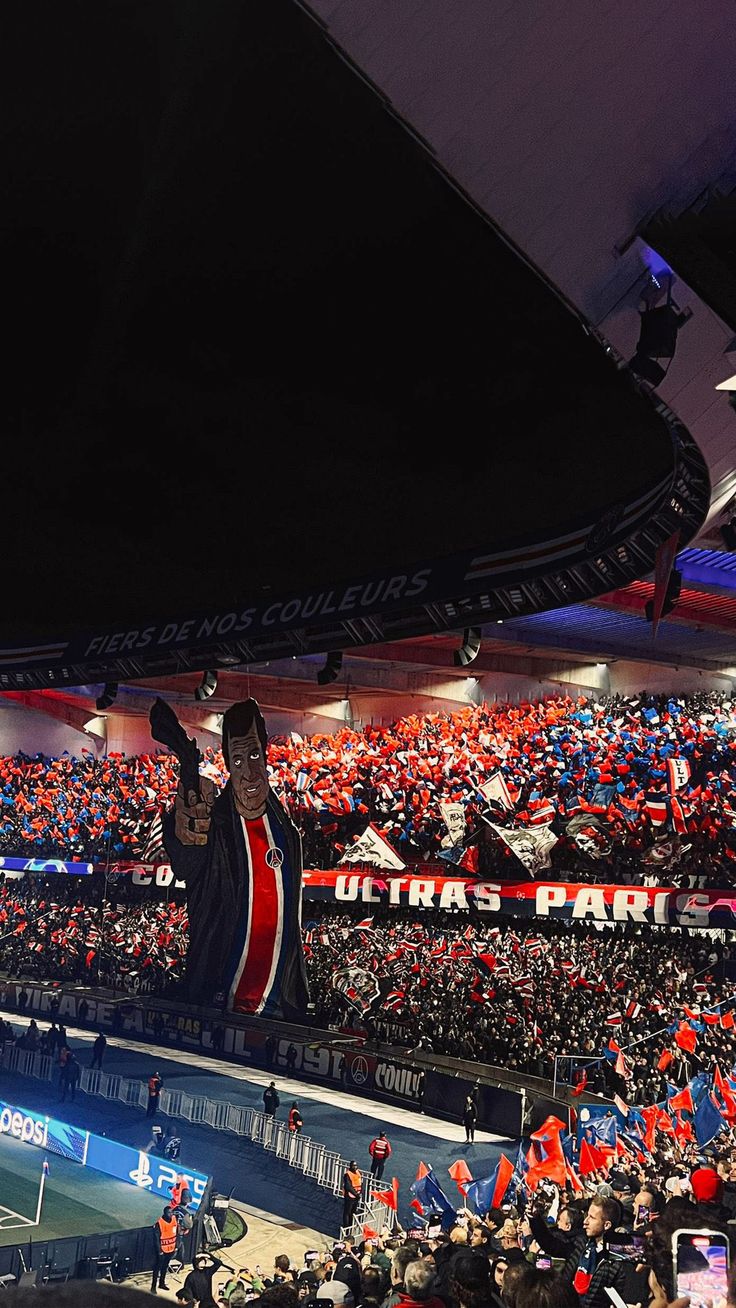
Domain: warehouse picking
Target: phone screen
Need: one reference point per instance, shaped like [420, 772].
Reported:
[543, 1263]
[632, 1248]
[701, 1264]
[433, 1229]
[643, 1213]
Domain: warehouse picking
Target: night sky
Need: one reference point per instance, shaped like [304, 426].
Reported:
[256, 339]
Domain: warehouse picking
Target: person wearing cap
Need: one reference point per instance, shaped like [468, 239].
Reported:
[706, 1185]
[340, 1293]
[380, 1152]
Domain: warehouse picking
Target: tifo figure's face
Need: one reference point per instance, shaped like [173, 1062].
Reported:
[248, 774]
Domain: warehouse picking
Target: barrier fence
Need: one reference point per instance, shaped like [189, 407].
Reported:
[322, 1165]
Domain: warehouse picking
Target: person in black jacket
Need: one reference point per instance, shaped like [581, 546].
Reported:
[271, 1099]
[470, 1117]
[589, 1267]
[198, 1285]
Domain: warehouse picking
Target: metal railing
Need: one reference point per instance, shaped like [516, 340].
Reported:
[314, 1160]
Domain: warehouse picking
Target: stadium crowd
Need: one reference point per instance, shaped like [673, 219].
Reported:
[626, 788]
[519, 998]
[518, 994]
[560, 1244]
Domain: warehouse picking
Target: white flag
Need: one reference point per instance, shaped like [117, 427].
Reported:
[531, 847]
[495, 788]
[371, 848]
[453, 816]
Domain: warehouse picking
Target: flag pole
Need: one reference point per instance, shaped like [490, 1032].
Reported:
[44, 1172]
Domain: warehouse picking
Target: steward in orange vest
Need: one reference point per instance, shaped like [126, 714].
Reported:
[295, 1118]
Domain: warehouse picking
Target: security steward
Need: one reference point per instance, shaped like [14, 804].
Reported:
[155, 1085]
[296, 1121]
[166, 1234]
[350, 1192]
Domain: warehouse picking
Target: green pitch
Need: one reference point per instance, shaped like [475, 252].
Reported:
[76, 1201]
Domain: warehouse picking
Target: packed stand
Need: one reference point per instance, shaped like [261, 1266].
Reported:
[561, 1244]
[82, 930]
[522, 996]
[534, 997]
[619, 789]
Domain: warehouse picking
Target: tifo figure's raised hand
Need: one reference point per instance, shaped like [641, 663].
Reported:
[192, 813]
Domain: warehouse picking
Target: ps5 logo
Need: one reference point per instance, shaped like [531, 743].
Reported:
[142, 1174]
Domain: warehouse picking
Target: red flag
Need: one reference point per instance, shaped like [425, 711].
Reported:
[503, 1181]
[578, 1089]
[664, 1061]
[461, 1174]
[686, 1038]
[591, 1159]
[727, 1020]
[650, 1116]
[422, 1171]
[683, 1101]
[550, 1128]
[389, 1197]
[369, 1233]
[416, 1204]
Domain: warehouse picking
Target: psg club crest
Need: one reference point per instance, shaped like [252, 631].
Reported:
[274, 858]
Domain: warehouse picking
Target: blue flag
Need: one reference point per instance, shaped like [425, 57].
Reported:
[431, 1195]
[708, 1121]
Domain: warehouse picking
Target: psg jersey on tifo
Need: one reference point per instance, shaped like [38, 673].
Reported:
[257, 958]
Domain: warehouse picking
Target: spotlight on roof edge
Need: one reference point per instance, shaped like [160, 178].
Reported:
[469, 649]
[207, 686]
[108, 696]
[331, 669]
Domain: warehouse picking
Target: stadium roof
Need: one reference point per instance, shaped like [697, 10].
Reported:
[264, 350]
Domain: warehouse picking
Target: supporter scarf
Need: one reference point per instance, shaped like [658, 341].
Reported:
[586, 1267]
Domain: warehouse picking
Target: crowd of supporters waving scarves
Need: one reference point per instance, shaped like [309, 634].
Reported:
[612, 789]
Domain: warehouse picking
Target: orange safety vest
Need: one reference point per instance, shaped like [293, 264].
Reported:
[167, 1234]
[294, 1117]
[176, 1192]
[354, 1178]
[153, 1085]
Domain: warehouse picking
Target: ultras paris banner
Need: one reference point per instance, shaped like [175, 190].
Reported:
[562, 900]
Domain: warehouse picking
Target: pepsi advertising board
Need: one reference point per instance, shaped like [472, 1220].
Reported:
[38, 1129]
[133, 1166]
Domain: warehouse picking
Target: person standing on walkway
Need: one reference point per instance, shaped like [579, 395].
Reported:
[98, 1051]
[155, 1085]
[380, 1151]
[166, 1233]
[271, 1099]
[296, 1121]
[69, 1078]
[291, 1056]
[470, 1117]
[350, 1192]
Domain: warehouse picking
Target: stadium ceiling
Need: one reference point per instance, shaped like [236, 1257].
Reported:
[275, 386]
